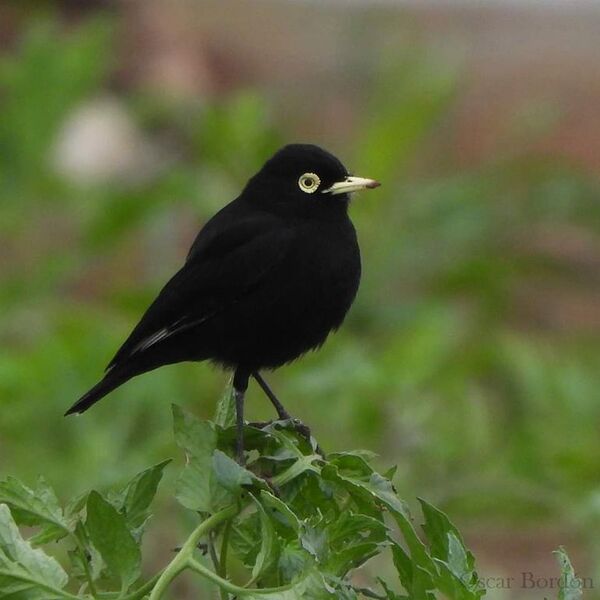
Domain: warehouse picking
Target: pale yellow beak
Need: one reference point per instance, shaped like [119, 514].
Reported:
[351, 184]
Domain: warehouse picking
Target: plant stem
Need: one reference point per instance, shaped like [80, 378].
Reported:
[213, 552]
[302, 464]
[143, 589]
[222, 572]
[29, 581]
[185, 555]
[230, 587]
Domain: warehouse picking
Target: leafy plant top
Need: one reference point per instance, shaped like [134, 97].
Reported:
[293, 523]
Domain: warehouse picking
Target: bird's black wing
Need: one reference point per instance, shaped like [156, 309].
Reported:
[227, 261]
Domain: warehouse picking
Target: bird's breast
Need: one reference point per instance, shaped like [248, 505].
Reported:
[293, 310]
[318, 282]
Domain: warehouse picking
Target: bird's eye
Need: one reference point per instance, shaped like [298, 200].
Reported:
[309, 182]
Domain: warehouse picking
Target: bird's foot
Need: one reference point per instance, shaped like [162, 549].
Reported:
[299, 426]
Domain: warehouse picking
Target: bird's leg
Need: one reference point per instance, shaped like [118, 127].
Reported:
[283, 414]
[240, 385]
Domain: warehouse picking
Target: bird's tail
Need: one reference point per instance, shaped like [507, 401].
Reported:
[113, 379]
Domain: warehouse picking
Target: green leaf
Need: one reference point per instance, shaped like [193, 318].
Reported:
[225, 412]
[197, 487]
[404, 566]
[455, 563]
[109, 533]
[374, 488]
[366, 455]
[311, 585]
[244, 540]
[437, 526]
[352, 527]
[353, 539]
[269, 547]
[417, 571]
[287, 516]
[37, 507]
[293, 560]
[197, 438]
[315, 541]
[571, 586]
[352, 557]
[95, 562]
[93, 559]
[139, 493]
[458, 561]
[26, 573]
[230, 474]
[301, 465]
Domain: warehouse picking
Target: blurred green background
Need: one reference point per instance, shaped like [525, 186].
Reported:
[472, 355]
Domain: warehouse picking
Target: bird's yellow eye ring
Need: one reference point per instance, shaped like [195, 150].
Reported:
[309, 182]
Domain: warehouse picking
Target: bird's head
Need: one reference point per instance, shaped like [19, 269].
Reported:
[306, 178]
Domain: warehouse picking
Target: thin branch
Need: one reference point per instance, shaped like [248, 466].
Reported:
[185, 555]
[230, 587]
[222, 572]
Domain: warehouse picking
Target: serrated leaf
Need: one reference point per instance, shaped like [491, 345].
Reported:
[312, 585]
[458, 561]
[192, 489]
[455, 563]
[365, 455]
[35, 507]
[437, 526]
[571, 586]
[244, 540]
[197, 438]
[423, 568]
[315, 541]
[391, 473]
[352, 557]
[225, 412]
[76, 505]
[301, 465]
[293, 560]
[26, 573]
[353, 539]
[269, 547]
[108, 532]
[351, 528]
[230, 474]
[139, 493]
[197, 487]
[94, 559]
[404, 566]
[454, 587]
[287, 516]
[374, 488]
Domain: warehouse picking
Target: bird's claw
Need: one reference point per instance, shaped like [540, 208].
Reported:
[299, 426]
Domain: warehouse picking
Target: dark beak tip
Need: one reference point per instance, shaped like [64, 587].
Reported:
[373, 185]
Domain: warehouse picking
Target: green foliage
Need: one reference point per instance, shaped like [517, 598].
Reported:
[570, 586]
[27, 572]
[301, 525]
[50, 75]
[490, 403]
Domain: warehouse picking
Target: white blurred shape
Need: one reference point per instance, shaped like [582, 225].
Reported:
[100, 142]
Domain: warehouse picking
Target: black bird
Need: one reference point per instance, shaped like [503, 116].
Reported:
[266, 280]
